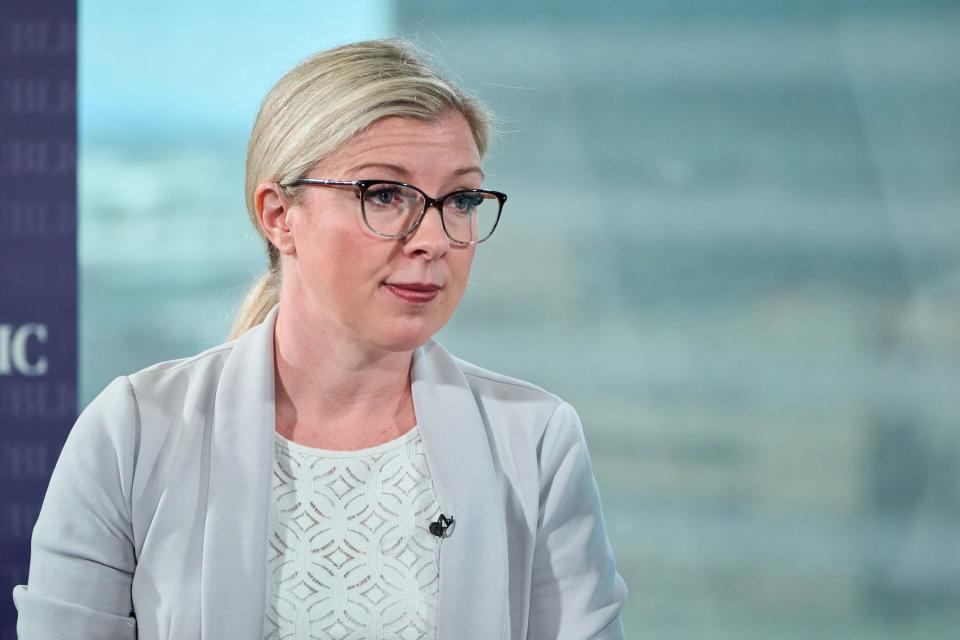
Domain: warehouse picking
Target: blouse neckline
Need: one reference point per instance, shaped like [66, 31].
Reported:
[348, 453]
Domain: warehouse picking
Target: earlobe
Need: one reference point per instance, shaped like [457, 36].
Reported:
[273, 208]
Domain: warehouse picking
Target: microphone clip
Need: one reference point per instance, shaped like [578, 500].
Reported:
[443, 527]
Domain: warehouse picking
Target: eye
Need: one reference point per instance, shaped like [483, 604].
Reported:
[383, 194]
[465, 202]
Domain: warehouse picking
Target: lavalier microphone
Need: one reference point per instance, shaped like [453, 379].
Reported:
[443, 527]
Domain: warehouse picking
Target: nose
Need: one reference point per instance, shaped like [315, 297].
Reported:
[429, 237]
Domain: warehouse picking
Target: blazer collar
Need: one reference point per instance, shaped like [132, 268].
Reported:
[458, 448]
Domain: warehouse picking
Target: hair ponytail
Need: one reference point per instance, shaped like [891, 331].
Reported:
[263, 295]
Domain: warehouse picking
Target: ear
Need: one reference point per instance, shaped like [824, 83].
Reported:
[272, 210]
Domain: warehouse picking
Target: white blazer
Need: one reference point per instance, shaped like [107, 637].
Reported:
[155, 521]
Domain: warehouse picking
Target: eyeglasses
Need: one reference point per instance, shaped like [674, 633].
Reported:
[395, 209]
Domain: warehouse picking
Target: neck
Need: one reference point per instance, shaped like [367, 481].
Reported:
[327, 387]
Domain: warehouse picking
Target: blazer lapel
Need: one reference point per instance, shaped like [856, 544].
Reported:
[473, 560]
[233, 576]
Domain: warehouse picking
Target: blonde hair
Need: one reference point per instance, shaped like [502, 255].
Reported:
[322, 103]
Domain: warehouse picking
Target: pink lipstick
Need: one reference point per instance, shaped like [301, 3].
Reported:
[413, 291]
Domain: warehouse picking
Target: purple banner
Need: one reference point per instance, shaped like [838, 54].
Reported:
[38, 268]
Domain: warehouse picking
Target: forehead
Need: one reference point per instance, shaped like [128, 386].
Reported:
[444, 142]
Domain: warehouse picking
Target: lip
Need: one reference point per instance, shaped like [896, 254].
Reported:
[413, 291]
[414, 286]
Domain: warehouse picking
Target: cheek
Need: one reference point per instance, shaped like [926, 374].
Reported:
[337, 261]
[460, 263]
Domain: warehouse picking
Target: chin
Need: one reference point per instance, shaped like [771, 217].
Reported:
[407, 336]
[396, 344]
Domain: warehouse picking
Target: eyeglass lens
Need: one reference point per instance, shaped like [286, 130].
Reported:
[392, 210]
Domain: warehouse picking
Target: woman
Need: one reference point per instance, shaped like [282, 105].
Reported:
[333, 472]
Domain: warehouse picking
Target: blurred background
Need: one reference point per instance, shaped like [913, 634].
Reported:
[731, 242]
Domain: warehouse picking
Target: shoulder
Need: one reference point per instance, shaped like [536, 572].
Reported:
[209, 361]
[153, 387]
[478, 376]
[510, 401]
[134, 407]
[503, 386]
[177, 379]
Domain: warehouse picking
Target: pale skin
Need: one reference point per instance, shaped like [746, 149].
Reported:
[344, 342]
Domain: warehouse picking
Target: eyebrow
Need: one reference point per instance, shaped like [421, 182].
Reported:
[403, 172]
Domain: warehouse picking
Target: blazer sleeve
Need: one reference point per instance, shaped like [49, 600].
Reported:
[576, 592]
[82, 551]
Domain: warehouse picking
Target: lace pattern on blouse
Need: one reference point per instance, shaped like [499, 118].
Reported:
[350, 555]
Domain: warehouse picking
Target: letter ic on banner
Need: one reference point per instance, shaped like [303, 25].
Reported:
[14, 349]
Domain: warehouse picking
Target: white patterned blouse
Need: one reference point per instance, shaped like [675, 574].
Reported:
[350, 553]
